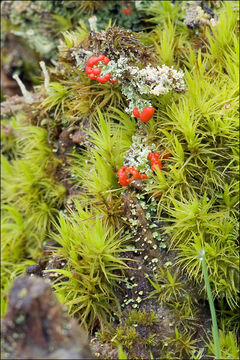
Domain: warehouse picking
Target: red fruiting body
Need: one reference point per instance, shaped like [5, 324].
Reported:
[92, 61]
[153, 156]
[101, 79]
[106, 60]
[122, 176]
[89, 70]
[155, 160]
[145, 115]
[107, 76]
[136, 112]
[92, 76]
[134, 173]
[113, 81]
[96, 70]
[166, 156]
[123, 173]
[127, 11]
[159, 165]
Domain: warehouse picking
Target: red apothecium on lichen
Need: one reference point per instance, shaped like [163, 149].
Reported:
[127, 11]
[155, 160]
[94, 72]
[145, 115]
[123, 175]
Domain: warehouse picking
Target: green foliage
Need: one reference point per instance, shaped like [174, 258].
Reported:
[89, 6]
[126, 336]
[192, 217]
[181, 345]
[186, 312]
[223, 34]
[222, 262]
[81, 98]
[113, 10]
[228, 319]
[58, 94]
[3, 305]
[167, 287]
[111, 141]
[39, 23]
[26, 185]
[138, 328]
[166, 43]
[141, 317]
[14, 232]
[199, 183]
[61, 23]
[8, 137]
[99, 165]
[229, 348]
[176, 291]
[73, 38]
[121, 354]
[150, 341]
[196, 190]
[91, 249]
[211, 303]
[162, 11]
[31, 198]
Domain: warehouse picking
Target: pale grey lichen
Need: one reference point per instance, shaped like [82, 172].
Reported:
[137, 155]
[93, 23]
[162, 79]
[147, 81]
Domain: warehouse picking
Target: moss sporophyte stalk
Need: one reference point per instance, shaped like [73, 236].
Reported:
[120, 164]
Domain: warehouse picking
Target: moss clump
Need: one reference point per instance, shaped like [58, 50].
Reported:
[31, 196]
[93, 266]
[141, 318]
[131, 254]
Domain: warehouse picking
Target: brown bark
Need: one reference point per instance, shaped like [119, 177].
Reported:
[37, 327]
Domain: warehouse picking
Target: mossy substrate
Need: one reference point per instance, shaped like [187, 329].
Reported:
[126, 259]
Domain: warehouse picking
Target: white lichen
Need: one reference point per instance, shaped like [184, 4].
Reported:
[26, 94]
[93, 23]
[145, 82]
[137, 155]
[46, 76]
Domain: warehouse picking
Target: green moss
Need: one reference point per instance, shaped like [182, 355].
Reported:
[181, 345]
[91, 249]
[196, 190]
[8, 137]
[228, 345]
[167, 287]
[141, 318]
[31, 197]
[126, 336]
